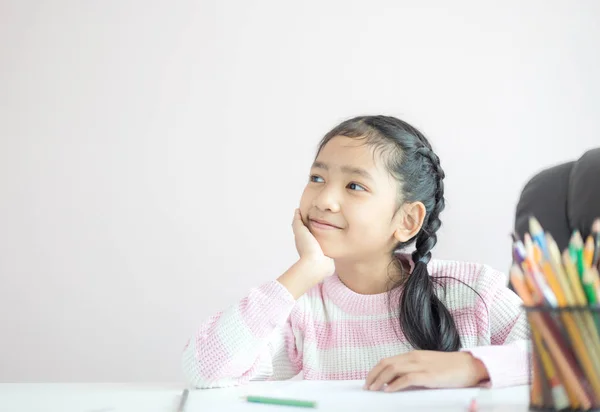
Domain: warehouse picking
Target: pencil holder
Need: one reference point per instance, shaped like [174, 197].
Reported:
[565, 358]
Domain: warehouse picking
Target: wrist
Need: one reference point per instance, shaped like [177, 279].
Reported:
[302, 276]
[316, 267]
[480, 371]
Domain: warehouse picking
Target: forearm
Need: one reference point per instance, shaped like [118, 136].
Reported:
[301, 277]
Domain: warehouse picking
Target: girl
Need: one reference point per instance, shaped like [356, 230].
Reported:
[353, 306]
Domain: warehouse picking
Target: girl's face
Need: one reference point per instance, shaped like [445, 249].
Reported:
[350, 201]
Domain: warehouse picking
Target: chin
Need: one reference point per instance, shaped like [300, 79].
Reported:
[330, 250]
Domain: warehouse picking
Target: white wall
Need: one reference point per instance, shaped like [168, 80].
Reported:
[151, 153]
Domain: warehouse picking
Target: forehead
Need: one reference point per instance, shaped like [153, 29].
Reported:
[354, 152]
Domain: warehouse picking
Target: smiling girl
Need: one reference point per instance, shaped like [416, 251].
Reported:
[355, 305]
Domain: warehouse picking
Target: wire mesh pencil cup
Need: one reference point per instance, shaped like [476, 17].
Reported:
[565, 358]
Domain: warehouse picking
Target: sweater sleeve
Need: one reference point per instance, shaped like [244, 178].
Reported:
[252, 340]
[506, 358]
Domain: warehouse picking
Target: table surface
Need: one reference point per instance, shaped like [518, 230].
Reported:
[329, 395]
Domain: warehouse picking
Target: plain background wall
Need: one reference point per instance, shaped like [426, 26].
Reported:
[152, 153]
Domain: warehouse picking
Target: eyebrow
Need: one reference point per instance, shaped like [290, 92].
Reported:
[346, 169]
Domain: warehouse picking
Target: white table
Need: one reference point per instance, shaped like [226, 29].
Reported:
[329, 395]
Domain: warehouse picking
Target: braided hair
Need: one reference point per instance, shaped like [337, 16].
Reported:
[424, 319]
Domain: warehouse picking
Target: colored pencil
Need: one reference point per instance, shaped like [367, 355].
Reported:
[576, 250]
[554, 257]
[588, 251]
[536, 393]
[559, 394]
[534, 285]
[553, 283]
[533, 254]
[574, 279]
[519, 254]
[589, 287]
[517, 278]
[531, 267]
[281, 401]
[537, 233]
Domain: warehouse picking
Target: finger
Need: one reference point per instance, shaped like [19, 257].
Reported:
[374, 373]
[297, 224]
[387, 375]
[407, 362]
[410, 379]
[297, 218]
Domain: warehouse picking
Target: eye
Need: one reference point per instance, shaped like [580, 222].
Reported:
[316, 179]
[356, 187]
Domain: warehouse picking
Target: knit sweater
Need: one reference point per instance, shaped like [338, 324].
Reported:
[332, 332]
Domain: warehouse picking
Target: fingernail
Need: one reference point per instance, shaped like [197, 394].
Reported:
[372, 388]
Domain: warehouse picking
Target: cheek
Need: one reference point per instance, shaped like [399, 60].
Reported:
[370, 226]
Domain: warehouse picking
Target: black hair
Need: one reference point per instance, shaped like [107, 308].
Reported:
[424, 319]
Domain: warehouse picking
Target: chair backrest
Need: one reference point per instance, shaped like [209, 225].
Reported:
[563, 198]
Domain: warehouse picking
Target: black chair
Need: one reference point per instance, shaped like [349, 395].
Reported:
[563, 198]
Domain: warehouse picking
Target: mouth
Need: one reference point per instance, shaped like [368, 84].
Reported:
[322, 224]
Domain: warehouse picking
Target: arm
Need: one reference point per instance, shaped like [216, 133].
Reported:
[255, 339]
[506, 359]
[503, 362]
[249, 341]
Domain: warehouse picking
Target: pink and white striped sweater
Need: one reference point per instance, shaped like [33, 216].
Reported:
[334, 333]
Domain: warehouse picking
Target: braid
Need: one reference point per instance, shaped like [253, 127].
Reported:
[427, 238]
[429, 326]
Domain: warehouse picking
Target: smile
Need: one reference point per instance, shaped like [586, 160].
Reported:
[321, 225]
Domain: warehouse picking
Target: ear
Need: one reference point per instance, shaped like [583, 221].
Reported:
[410, 220]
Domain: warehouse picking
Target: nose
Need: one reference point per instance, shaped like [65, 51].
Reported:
[327, 200]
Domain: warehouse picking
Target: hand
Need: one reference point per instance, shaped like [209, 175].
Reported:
[428, 369]
[313, 265]
[308, 247]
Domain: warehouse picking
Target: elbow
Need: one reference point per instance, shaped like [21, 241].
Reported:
[200, 370]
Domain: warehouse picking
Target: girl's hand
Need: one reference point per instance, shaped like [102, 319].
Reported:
[313, 265]
[308, 247]
[428, 369]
